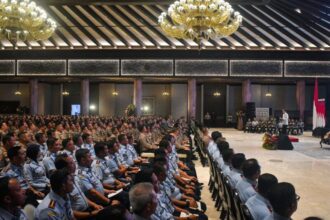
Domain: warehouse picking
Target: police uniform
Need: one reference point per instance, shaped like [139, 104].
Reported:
[123, 156]
[35, 174]
[246, 189]
[54, 207]
[133, 152]
[234, 177]
[19, 215]
[49, 162]
[162, 211]
[78, 199]
[112, 162]
[259, 206]
[17, 172]
[102, 171]
[89, 181]
[89, 147]
[43, 149]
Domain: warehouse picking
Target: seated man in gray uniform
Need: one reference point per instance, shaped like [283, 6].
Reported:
[12, 197]
[56, 205]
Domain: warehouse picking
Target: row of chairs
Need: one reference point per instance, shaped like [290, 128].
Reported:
[226, 198]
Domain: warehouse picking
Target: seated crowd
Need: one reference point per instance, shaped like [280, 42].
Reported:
[295, 127]
[70, 167]
[263, 196]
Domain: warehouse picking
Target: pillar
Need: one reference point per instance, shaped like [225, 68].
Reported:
[191, 99]
[34, 96]
[137, 96]
[84, 97]
[300, 97]
[246, 92]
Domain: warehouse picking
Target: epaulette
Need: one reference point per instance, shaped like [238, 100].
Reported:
[52, 204]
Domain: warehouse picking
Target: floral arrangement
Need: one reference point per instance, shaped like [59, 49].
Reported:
[268, 142]
[130, 110]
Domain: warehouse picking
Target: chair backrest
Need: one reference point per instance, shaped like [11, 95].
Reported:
[246, 212]
[229, 195]
[238, 203]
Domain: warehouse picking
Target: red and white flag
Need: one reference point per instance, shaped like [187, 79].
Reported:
[318, 108]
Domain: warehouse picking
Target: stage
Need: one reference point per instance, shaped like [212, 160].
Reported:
[307, 167]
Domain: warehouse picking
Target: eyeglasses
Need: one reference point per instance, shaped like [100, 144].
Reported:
[297, 197]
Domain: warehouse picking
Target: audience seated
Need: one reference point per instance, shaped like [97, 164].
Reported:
[259, 205]
[284, 201]
[12, 198]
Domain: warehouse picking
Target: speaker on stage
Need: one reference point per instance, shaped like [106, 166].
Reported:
[250, 110]
[284, 142]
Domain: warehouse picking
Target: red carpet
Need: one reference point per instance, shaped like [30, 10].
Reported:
[292, 139]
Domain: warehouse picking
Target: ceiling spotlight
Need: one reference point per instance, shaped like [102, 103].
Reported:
[298, 10]
[268, 94]
[92, 107]
[216, 94]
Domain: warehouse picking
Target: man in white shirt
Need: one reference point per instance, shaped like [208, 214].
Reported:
[285, 119]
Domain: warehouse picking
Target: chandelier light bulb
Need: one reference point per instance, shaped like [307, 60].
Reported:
[24, 20]
[200, 19]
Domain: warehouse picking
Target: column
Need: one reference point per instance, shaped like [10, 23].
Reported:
[191, 99]
[300, 97]
[246, 92]
[61, 99]
[84, 97]
[137, 96]
[33, 96]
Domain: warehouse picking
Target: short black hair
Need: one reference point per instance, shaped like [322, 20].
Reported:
[4, 187]
[76, 138]
[60, 161]
[215, 135]
[85, 136]
[13, 152]
[159, 169]
[65, 142]
[58, 178]
[250, 167]
[281, 197]
[32, 151]
[111, 143]
[160, 151]
[51, 142]
[81, 153]
[164, 144]
[121, 137]
[265, 182]
[222, 146]
[6, 138]
[99, 147]
[237, 160]
[168, 137]
[38, 136]
[145, 175]
[227, 155]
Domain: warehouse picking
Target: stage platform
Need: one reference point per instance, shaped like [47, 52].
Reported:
[307, 167]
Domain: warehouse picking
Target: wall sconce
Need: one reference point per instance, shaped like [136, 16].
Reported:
[17, 91]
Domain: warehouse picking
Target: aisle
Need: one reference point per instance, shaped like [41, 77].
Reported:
[203, 176]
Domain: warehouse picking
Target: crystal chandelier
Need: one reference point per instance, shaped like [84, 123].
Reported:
[24, 20]
[199, 19]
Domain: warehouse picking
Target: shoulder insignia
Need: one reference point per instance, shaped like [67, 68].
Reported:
[52, 204]
[51, 214]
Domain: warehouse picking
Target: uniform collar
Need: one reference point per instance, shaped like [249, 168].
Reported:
[58, 198]
[84, 168]
[9, 215]
[15, 167]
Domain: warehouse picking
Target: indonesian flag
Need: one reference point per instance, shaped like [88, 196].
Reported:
[318, 108]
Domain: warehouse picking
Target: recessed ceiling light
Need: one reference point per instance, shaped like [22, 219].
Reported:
[307, 48]
[298, 10]
[218, 47]
[321, 48]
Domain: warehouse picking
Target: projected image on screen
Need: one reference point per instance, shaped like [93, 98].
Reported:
[75, 109]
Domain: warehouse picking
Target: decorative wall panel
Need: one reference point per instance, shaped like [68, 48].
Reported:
[93, 67]
[307, 69]
[7, 67]
[147, 67]
[256, 68]
[201, 68]
[41, 67]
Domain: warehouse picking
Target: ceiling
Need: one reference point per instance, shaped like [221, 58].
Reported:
[132, 25]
